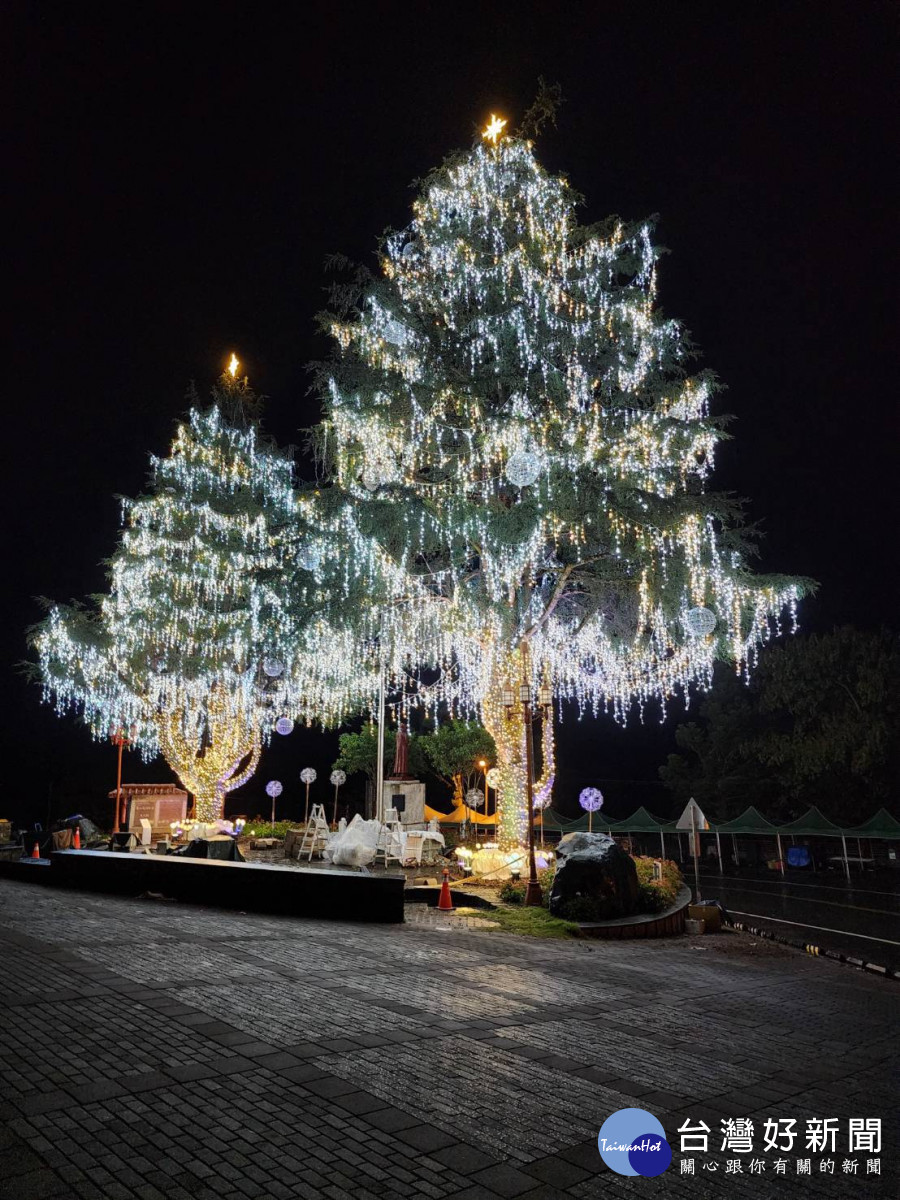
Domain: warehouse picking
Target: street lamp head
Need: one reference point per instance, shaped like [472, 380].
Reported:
[524, 693]
[507, 696]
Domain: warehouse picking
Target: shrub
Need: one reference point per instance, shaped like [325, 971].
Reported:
[260, 828]
[582, 908]
[655, 895]
[513, 892]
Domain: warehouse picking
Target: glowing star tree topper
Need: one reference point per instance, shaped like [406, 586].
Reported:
[195, 609]
[526, 455]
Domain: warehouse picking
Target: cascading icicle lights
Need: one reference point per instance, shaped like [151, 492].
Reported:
[523, 457]
[200, 606]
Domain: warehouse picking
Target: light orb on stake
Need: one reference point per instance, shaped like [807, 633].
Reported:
[337, 780]
[274, 789]
[284, 726]
[307, 776]
[591, 800]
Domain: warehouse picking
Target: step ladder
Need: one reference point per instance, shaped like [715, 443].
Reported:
[315, 836]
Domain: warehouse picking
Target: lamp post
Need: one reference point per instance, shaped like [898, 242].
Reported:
[533, 895]
[483, 764]
[120, 738]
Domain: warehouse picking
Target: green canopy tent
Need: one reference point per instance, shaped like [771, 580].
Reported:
[551, 819]
[880, 827]
[642, 821]
[816, 824]
[751, 821]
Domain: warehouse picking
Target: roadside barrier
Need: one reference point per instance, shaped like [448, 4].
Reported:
[816, 951]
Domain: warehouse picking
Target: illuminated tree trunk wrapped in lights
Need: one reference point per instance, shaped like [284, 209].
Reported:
[522, 457]
[193, 644]
[213, 762]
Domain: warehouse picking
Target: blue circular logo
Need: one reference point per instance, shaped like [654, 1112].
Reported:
[633, 1142]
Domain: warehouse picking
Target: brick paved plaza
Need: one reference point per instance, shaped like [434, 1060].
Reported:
[153, 1050]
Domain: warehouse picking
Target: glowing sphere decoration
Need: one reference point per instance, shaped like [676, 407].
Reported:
[395, 333]
[337, 778]
[493, 778]
[698, 622]
[474, 798]
[591, 800]
[284, 726]
[273, 667]
[309, 558]
[274, 788]
[523, 468]
[308, 775]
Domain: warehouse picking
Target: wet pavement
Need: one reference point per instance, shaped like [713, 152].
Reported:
[155, 1051]
[860, 919]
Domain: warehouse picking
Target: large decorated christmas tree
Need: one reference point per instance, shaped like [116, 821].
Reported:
[520, 455]
[191, 647]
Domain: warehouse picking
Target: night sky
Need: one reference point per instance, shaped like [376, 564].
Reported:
[177, 174]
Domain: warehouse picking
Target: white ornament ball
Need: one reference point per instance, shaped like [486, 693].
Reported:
[474, 798]
[395, 333]
[523, 468]
[338, 778]
[273, 667]
[372, 479]
[699, 622]
[274, 788]
[308, 775]
[309, 558]
[284, 726]
[493, 778]
[410, 250]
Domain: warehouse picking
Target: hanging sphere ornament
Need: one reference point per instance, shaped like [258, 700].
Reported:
[411, 249]
[372, 479]
[309, 558]
[337, 778]
[308, 775]
[284, 726]
[493, 778]
[274, 788]
[474, 798]
[395, 333]
[273, 667]
[699, 622]
[591, 799]
[523, 468]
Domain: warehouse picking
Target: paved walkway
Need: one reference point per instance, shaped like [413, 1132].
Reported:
[154, 1050]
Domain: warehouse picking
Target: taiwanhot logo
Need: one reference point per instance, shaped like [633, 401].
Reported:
[633, 1142]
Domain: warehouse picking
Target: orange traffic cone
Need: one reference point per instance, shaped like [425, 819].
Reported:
[36, 852]
[76, 841]
[445, 903]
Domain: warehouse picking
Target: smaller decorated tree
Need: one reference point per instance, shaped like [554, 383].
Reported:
[191, 647]
[454, 751]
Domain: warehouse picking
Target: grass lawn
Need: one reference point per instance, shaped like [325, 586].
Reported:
[531, 922]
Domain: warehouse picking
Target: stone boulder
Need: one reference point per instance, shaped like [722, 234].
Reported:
[590, 867]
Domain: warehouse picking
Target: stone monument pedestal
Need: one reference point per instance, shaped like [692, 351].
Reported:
[412, 794]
